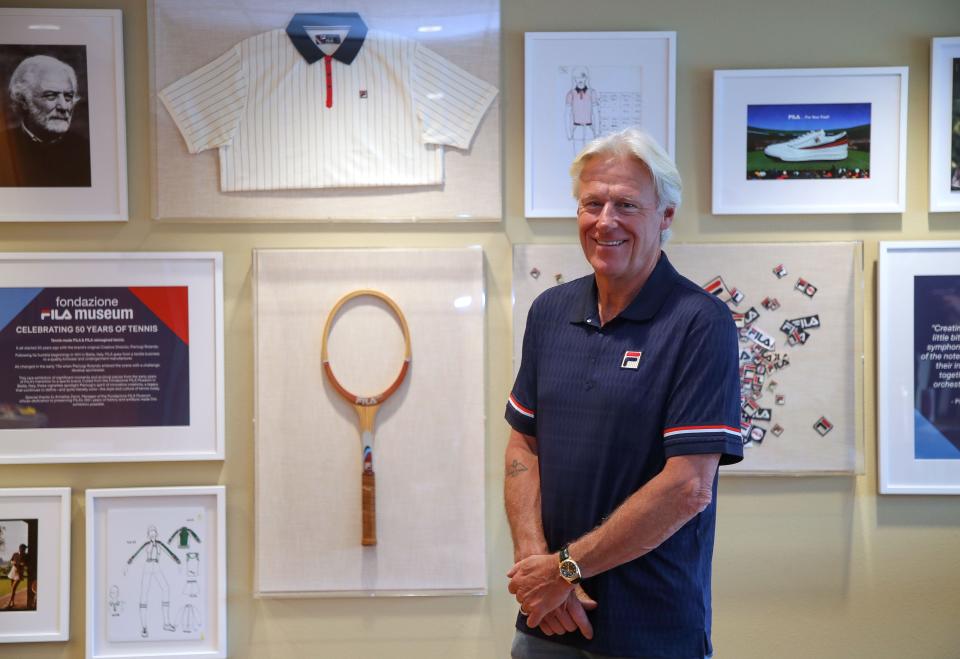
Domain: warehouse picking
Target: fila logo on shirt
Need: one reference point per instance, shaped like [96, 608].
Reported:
[631, 359]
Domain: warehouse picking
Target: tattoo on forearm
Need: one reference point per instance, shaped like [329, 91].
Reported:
[516, 469]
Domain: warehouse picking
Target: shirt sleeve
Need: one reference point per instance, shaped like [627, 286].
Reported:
[450, 102]
[208, 103]
[703, 407]
[521, 412]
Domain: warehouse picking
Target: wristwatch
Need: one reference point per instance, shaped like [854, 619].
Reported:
[569, 569]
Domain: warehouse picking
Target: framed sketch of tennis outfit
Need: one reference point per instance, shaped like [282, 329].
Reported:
[369, 361]
[945, 124]
[34, 565]
[323, 103]
[156, 572]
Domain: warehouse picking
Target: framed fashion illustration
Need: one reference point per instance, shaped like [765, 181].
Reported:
[945, 124]
[386, 112]
[63, 154]
[111, 356]
[581, 85]
[34, 564]
[809, 140]
[156, 581]
[918, 392]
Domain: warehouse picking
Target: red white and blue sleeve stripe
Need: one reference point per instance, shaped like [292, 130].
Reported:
[521, 418]
[700, 431]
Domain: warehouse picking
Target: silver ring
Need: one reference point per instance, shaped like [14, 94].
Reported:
[523, 613]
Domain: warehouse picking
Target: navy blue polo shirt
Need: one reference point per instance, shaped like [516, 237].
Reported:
[608, 405]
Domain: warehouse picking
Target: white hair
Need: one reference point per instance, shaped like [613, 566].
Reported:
[26, 74]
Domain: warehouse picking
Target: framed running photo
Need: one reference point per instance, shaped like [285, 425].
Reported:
[111, 357]
[34, 565]
[918, 332]
[809, 140]
[945, 125]
[63, 153]
[156, 572]
[582, 85]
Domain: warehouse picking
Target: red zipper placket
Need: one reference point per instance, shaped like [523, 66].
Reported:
[328, 69]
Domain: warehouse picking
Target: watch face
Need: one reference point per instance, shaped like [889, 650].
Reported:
[569, 570]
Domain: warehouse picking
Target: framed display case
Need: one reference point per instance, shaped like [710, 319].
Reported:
[945, 124]
[918, 392]
[581, 85]
[387, 112]
[63, 153]
[369, 407]
[156, 572]
[809, 140]
[34, 564]
[111, 356]
[799, 308]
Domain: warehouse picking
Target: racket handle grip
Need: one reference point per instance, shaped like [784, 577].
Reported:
[369, 489]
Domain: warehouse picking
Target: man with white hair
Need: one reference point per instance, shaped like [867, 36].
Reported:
[39, 149]
[626, 402]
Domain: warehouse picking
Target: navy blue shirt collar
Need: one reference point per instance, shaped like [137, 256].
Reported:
[643, 307]
[347, 51]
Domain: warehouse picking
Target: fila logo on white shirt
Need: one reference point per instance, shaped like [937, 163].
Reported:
[631, 359]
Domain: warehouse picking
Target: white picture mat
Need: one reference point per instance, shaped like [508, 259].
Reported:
[428, 449]
[548, 154]
[202, 273]
[899, 471]
[101, 31]
[885, 88]
[51, 620]
[212, 500]
[942, 53]
[187, 34]
[824, 376]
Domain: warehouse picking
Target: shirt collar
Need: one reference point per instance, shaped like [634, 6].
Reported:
[347, 51]
[643, 307]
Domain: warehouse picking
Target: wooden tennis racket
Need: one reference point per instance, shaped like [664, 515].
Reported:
[366, 407]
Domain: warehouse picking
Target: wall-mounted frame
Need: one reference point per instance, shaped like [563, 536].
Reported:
[581, 85]
[111, 356]
[802, 407]
[34, 564]
[360, 152]
[63, 153]
[809, 140]
[918, 338]
[426, 442]
[945, 124]
[156, 572]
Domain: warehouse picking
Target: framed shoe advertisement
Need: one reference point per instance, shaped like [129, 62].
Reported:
[809, 140]
[945, 125]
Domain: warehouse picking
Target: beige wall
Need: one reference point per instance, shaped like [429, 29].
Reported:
[805, 567]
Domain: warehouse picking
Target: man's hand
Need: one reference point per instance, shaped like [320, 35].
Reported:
[571, 615]
[538, 586]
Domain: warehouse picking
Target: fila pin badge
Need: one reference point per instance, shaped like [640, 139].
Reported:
[631, 359]
[770, 303]
[535, 273]
[780, 271]
[823, 426]
[777, 429]
[805, 287]
[363, 93]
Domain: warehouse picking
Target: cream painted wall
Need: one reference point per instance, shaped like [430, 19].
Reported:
[805, 567]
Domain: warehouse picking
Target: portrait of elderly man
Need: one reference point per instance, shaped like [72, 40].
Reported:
[39, 145]
[626, 402]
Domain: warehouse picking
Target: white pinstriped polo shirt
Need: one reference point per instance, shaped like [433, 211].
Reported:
[327, 104]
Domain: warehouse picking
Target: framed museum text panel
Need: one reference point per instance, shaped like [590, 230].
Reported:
[369, 407]
[63, 153]
[156, 583]
[34, 564]
[582, 85]
[809, 140]
[111, 356]
[266, 111]
[798, 308]
[945, 124]
[918, 338]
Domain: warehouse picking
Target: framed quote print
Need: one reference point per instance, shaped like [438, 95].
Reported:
[945, 124]
[111, 356]
[63, 153]
[809, 140]
[918, 334]
[34, 565]
[582, 85]
[156, 572]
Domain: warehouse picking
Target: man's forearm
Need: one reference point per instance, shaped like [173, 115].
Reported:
[650, 516]
[521, 495]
